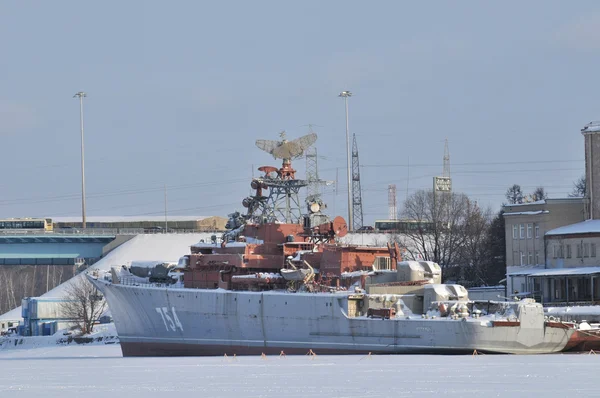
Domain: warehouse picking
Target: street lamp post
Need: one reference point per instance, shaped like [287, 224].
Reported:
[345, 95]
[80, 95]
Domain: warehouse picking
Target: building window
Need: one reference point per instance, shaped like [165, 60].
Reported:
[558, 251]
[522, 231]
[515, 231]
[568, 251]
[537, 257]
[529, 258]
[522, 258]
[529, 231]
[593, 249]
[537, 231]
[586, 250]
[579, 251]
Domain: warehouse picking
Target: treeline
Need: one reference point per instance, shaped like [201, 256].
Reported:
[464, 239]
[20, 281]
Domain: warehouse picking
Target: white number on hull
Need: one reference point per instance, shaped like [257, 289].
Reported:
[171, 320]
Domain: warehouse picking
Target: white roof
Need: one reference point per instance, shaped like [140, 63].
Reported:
[591, 127]
[567, 271]
[584, 227]
[537, 202]
[523, 270]
[109, 219]
[526, 213]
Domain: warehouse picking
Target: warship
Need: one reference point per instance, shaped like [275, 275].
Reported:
[279, 281]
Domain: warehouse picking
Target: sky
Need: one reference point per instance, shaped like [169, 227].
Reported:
[178, 93]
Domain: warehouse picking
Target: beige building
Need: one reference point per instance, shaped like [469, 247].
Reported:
[572, 265]
[568, 263]
[527, 223]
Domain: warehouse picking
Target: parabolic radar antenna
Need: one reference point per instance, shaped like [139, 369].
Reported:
[285, 149]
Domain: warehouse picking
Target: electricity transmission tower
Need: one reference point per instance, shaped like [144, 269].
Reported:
[356, 191]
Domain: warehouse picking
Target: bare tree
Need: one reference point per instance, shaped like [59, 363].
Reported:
[440, 223]
[539, 194]
[473, 255]
[85, 304]
[579, 188]
[514, 194]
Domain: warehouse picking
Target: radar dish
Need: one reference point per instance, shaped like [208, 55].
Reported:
[285, 149]
[340, 227]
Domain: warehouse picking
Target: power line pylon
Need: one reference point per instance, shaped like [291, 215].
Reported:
[312, 172]
[392, 206]
[315, 184]
[356, 191]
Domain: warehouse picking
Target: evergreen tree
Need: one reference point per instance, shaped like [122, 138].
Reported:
[539, 194]
[496, 244]
[514, 194]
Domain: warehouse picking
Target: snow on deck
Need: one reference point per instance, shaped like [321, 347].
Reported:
[146, 247]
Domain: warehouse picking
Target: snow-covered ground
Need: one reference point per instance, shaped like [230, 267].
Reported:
[100, 371]
[103, 334]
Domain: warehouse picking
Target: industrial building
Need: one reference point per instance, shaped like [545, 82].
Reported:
[144, 224]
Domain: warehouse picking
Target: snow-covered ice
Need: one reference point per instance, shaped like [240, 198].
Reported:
[100, 371]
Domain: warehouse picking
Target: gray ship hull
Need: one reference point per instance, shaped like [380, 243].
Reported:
[158, 321]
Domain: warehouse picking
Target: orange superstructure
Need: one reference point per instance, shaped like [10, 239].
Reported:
[276, 242]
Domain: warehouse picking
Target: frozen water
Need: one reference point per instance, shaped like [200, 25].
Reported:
[100, 371]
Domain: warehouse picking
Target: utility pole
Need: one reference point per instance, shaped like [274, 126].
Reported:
[81, 95]
[166, 224]
[345, 95]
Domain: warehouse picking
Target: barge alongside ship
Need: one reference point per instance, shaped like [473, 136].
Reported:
[278, 281]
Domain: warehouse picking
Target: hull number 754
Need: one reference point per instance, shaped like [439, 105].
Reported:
[170, 318]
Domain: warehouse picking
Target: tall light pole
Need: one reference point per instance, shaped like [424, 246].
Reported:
[81, 94]
[345, 95]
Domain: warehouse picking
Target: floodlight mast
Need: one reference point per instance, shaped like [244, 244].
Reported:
[80, 95]
[345, 95]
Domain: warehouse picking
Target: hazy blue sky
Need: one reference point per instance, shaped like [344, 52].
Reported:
[179, 91]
